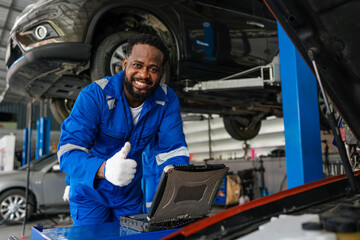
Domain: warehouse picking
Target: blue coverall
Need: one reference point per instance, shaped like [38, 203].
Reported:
[98, 126]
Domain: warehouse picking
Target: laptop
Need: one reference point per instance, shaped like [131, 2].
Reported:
[185, 194]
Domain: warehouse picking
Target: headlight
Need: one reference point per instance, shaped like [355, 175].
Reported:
[40, 32]
[44, 31]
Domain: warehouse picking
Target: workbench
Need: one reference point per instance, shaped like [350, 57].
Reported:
[108, 231]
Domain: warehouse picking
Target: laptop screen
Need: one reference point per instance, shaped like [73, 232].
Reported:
[186, 191]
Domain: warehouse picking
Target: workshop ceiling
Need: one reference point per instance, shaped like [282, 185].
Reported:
[9, 10]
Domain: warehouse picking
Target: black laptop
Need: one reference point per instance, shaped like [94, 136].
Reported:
[185, 194]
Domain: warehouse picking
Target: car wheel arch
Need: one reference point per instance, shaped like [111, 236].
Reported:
[22, 188]
[141, 10]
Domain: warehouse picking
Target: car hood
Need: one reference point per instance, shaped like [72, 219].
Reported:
[13, 178]
[331, 31]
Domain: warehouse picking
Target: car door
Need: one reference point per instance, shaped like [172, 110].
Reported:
[53, 185]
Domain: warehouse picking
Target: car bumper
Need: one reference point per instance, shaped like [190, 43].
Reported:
[46, 70]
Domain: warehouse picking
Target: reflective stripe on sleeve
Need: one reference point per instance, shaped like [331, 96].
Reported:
[163, 157]
[160, 102]
[67, 147]
[102, 82]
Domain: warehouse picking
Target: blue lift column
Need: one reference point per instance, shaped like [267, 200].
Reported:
[43, 125]
[301, 115]
[43, 136]
[26, 152]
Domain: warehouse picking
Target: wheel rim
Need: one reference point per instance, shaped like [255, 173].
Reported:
[116, 60]
[13, 208]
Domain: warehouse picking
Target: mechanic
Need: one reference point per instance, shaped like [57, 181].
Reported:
[112, 121]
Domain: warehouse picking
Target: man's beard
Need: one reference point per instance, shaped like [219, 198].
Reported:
[130, 89]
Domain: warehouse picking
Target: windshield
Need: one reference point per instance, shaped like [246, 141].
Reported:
[40, 163]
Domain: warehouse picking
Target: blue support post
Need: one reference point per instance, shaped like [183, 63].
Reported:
[43, 136]
[301, 116]
[39, 135]
[26, 140]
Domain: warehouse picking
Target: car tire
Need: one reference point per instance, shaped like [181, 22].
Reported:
[108, 57]
[60, 108]
[239, 127]
[12, 206]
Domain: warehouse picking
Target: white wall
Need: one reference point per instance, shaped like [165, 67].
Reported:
[223, 146]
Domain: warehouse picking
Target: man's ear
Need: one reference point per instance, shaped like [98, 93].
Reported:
[162, 73]
[124, 64]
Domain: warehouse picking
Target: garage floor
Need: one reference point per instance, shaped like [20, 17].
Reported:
[63, 221]
[16, 230]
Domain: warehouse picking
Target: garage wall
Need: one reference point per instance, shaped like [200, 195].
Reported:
[224, 147]
[232, 153]
[274, 175]
[20, 110]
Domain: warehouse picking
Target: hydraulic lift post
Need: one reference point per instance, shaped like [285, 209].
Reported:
[301, 115]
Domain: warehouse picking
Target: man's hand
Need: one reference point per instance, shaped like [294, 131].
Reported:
[119, 170]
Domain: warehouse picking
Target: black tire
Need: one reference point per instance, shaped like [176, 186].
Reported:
[12, 206]
[108, 57]
[239, 127]
[60, 108]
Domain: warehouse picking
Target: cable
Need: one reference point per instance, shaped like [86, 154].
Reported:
[29, 109]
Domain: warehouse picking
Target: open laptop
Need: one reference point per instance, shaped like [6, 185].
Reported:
[185, 194]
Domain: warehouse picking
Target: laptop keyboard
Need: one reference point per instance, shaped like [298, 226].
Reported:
[175, 224]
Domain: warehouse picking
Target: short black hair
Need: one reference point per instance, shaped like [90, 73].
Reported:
[149, 39]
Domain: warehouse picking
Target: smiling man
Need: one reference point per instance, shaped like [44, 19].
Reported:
[112, 122]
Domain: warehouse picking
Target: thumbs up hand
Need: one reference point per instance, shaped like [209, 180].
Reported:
[119, 170]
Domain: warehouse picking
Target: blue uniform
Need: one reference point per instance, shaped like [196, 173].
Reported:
[97, 128]
[151, 175]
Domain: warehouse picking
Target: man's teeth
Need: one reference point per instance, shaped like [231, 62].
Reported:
[141, 84]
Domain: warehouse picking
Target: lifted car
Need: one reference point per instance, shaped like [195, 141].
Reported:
[222, 54]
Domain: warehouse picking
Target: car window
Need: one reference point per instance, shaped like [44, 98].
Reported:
[40, 163]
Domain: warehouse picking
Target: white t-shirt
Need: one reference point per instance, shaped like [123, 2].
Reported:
[135, 113]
